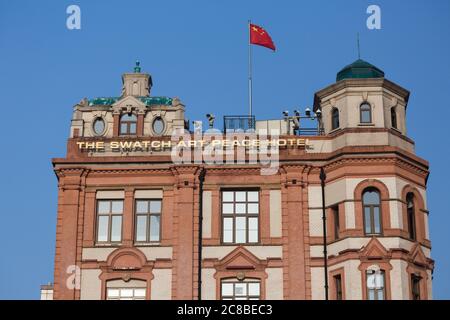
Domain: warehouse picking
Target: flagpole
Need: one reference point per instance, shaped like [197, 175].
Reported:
[250, 89]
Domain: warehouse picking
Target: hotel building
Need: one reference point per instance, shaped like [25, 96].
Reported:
[132, 224]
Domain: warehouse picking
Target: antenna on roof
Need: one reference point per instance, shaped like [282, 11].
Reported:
[357, 42]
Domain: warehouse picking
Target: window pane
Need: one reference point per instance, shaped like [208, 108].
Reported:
[126, 293]
[155, 206]
[116, 228]
[253, 289]
[113, 293]
[102, 228]
[141, 228]
[380, 294]
[240, 208]
[228, 230]
[240, 196]
[141, 206]
[253, 230]
[227, 289]
[117, 206]
[103, 206]
[228, 196]
[371, 284]
[371, 197]
[371, 295]
[240, 289]
[253, 208]
[227, 208]
[379, 281]
[132, 128]
[376, 219]
[139, 293]
[240, 229]
[365, 116]
[367, 221]
[154, 228]
[252, 196]
[123, 128]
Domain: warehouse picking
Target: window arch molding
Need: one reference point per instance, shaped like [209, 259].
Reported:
[384, 204]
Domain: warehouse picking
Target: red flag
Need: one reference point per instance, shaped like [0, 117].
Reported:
[260, 37]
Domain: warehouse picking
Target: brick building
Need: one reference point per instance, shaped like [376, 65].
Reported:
[129, 218]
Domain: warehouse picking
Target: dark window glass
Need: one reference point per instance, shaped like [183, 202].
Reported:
[410, 211]
[393, 118]
[109, 220]
[128, 124]
[415, 287]
[148, 220]
[335, 213]
[338, 286]
[334, 118]
[372, 211]
[365, 112]
[240, 216]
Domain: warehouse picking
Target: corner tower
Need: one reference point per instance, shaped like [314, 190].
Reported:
[365, 106]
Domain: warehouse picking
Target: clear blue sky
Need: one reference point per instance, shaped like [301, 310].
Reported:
[197, 50]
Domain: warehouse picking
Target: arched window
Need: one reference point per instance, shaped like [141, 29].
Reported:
[372, 211]
[334, 118]
[393, 118]
[365, 113]
[128, 124]
[410, 212]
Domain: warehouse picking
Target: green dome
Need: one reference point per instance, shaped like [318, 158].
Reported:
[359, 69]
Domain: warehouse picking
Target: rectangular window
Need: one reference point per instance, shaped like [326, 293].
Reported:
[338, 286]
[148, 220]
[125, 294]
[240, 216]
[335, 213]
[240, 290]
[415, 287]
[109, 221]
[375, 285]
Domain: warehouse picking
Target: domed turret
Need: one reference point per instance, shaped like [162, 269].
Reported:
[359, 69]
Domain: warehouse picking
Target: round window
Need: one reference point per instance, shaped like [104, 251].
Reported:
[158, 126]
[99, 126]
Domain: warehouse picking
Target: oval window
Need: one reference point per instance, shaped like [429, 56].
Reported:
[158, 126]
[99, 126]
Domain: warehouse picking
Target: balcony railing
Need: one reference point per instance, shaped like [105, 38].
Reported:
[238, 123]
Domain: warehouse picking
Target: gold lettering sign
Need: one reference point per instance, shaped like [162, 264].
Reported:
[147, 145]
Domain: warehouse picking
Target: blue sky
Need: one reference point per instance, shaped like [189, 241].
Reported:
[197, 50]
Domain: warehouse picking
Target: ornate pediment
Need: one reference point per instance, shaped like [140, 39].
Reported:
[240, 259]
[129, 104]
[374, 250]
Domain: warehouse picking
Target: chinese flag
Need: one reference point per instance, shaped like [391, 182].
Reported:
[260, 37]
